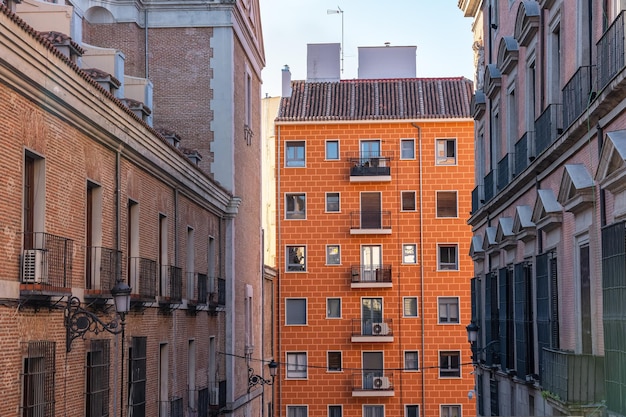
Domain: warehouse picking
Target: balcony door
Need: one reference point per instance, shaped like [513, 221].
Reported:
[371, 259]
[371, 312]
[372, 368]
[371, 214]
[369, 149]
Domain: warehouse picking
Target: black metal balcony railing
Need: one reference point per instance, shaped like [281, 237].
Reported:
[142, 277]
[203, 402]
[370, 273]
[548, 127]
[371, 220]
[174, 290]
[47, 260]
[521, 153]
[372, 380]
[610, 51]
[370, 165]
[503, 173]
[202, 288]
[578, 94]
[476, 199]
[372, 327]
[574, 378]
[221, 292]
[192, 293]
[103, 269]
[489, 186]
[173, 407]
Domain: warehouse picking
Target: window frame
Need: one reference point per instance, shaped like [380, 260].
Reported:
[438, 208]
[449, 407]
[326, 202]
[290, 320]
[443, 160]
[402, 206]
[440, 305]
[293, 214]
[296, 408]
[328, 309]
[300, 368]
[326, 157]
[417, 314]
[328, 255]
[406, 410]
[333, 370]
[417, 361]
[412, 141]
[290, 266]
[335, 406]
[440, 264]
[295, 162]
[404, 255]
[449, 371]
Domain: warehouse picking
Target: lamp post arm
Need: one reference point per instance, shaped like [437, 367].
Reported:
[79, 321]
[254, 379]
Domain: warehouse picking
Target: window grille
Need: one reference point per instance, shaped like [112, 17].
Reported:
[38, 379]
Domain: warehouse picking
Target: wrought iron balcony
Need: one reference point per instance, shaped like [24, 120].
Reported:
[610, 51]
[574, 378]
[370, 168]
[489, 186]
[372, 330]
[370, 276]
[372, 383]
[548, 127]
[103, 269]
[578, 94]
[46, 263]
[370, 222]
[523, 152]
[142, 274]
[503, 173]
[476, 200]
[171, 286]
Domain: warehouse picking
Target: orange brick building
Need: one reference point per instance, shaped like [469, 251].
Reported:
[374, 181]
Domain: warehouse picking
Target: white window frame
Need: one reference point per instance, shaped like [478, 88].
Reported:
[328, 315]
[295, 214]
[440, 304]
[289, 162]
[455, 266]
[295, 368]
[338, 202]
[373, 410]
[414, 201]
[448, 407]
[456, 193]
[298, 407]
[402, 141]
[449, 369]
[404, 254]
[417, 314]
[326, 150]
[443, 159]
[328, 352]
[290, 264]
[338, 406]
[328, 247]
[306, 313]
[417, 361]
[406, 411]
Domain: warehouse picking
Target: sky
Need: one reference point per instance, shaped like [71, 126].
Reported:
[437, 28]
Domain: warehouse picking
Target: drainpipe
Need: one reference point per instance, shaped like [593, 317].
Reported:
[421, 240]
[278, 268]
[145, 17]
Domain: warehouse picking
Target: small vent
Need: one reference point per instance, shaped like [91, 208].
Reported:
[34, 266]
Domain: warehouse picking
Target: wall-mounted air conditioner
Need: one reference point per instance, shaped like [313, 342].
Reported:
[380, 329]
[34, 266]
[214, 396]
[381, 382]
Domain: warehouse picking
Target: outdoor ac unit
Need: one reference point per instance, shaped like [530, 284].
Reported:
[380, 329]
[214, 396]
[34, 266]
[381, 382]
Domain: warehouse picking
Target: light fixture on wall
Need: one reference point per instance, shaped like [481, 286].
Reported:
[254, 379]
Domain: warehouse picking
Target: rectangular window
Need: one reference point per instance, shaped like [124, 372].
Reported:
[449, 364]
[408, 201]
[294, 154]
[446, 152]
[333, 255]
[332, 150]
[409, 306]
[137, 383]
[332, 202]
[38, 380]
[448, 310]
[295, 206]
[296, 365]
[97, 379]
[373, 411]
[34, 195]
[296, 411]
[447, 204]
[447, 258]
[333, 308]
[409, 253]
[411, 360]
[296, 258]
[334, 361]
[335, 411]
[407, 149]
[450, 411]
[412, 411]
[295, 311]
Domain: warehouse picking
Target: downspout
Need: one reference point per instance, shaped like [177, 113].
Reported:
[421, 240]
[278, 268]
[145, 18]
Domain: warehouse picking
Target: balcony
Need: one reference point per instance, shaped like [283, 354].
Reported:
[610, 51]
[503, 173]
[217, 294]
[103, 269]
[574, 378]
[548, 127]
[523, 152]
[172, 287]
[578, 94]
[489, 186]
[370, 223]
[197, 290]
[370, 276]
[370, 169]
[46, 265]
[172, 408]
[142, 276]
[372, 383]
[372, 331]
[477, 201]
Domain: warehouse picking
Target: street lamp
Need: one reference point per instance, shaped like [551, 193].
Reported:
[79, 321]
[254, 379]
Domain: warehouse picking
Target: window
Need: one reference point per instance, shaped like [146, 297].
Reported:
[446, 152]
[373, 411]
[448, 310]
[410, 306]
[97, 379]
[99, 260]
[295, 206]
[295, 311]
[409, 253]
[333, 308]
[38, 380]
[334, 411]
[296, 365]
[449, 364]
[334, 361]
[332, 149]
[446, 204]
[407, 149]
[333, 255]
[412, 411]
[450, 411]
[447, 258]
[332, 202]
[294, 154]
[34, 195]
[411, 360]
[296, 411]
[296, 258]
[408, 201]
[137, 383]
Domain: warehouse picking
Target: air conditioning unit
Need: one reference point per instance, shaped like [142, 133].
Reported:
[34, 266]
[214, 396]
[380, 329]
[381, 382]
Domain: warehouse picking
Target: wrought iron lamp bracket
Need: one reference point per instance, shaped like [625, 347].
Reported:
[79, 321]
[254, 379]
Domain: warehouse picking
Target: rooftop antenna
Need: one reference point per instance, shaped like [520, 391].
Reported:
[338, 11]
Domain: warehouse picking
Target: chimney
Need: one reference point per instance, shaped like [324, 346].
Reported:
[286, 86]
